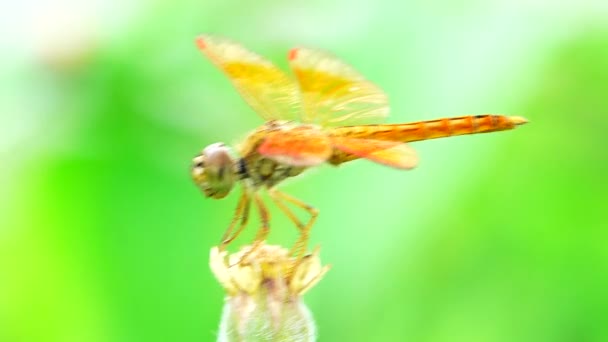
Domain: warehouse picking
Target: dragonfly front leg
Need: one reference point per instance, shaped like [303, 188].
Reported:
[262, 233]
[299, 247]
[241, 212]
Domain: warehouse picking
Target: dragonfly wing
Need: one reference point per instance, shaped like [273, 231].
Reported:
[299, 146]
[267, 89]
[333, 93]
[390, 153]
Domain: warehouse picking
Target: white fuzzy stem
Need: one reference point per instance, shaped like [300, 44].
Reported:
[263, 318]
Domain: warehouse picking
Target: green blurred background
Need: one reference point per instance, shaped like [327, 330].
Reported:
[498, 237]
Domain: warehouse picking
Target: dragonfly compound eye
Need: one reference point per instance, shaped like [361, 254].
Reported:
[212, 171]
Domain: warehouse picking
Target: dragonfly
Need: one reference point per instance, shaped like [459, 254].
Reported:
[326, 113]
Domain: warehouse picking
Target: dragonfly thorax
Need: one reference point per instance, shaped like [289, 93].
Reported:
[260, 171]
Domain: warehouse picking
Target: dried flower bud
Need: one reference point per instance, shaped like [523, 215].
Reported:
[264, 291]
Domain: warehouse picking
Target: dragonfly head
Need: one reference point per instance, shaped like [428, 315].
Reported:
[212, 170]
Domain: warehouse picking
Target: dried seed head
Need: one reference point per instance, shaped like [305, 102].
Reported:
[264, 293]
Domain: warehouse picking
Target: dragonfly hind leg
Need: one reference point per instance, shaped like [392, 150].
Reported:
[299, 248]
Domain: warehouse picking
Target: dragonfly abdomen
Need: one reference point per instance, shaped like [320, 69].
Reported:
[463, 125]
[432, 129]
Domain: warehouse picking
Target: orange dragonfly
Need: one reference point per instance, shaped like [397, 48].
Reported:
[324, 115]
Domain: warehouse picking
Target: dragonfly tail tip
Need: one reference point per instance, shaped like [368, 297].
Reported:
[518, 120]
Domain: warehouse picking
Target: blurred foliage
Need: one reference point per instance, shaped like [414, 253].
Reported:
[497, 237]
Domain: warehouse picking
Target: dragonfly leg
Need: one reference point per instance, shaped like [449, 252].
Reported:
[278, 200]
[300, 246]
[262, 233]
[242, 213]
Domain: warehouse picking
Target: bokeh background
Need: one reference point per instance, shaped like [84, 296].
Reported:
[498, 237]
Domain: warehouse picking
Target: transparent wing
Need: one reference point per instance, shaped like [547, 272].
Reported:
[267, 89]
[333, 93]
[390, 153]
[300, 146]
